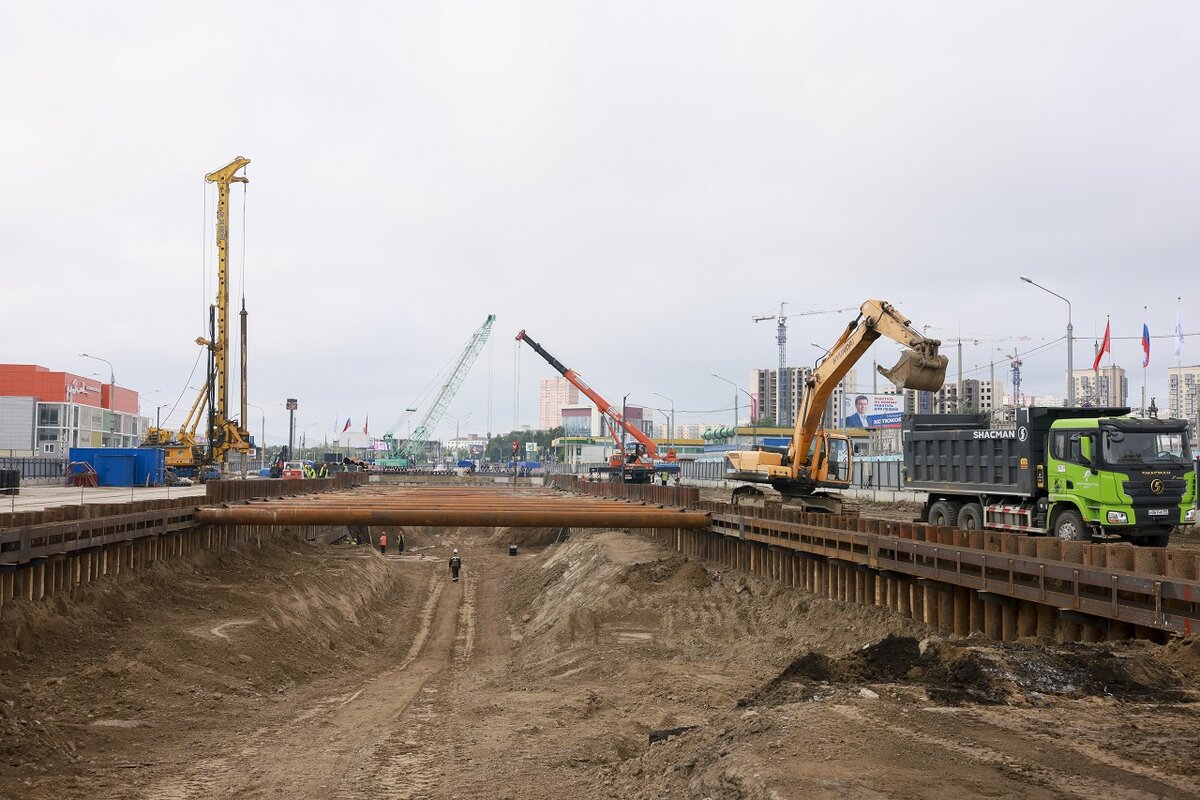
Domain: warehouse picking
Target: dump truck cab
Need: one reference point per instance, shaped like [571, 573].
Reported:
[1123, 476]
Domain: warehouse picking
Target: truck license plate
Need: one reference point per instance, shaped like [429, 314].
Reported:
[1158, 512]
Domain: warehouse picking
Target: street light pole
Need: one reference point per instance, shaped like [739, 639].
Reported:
[1070, 342]
[624, 414]
[112, 384]
[671, 426]
[737, 389]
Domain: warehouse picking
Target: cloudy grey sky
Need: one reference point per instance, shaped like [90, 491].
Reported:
[631, 182]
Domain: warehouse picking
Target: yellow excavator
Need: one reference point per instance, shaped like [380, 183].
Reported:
[817, 459]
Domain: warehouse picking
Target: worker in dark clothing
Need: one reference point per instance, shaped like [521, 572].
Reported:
[400, 541]
[455, 565]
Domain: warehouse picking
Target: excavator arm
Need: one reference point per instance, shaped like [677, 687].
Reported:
[806, 465]
[602, 405]
[920, 367]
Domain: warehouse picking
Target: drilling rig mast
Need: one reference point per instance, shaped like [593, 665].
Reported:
[224, 433]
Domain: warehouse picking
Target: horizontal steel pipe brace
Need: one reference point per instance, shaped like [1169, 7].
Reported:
[478, 518]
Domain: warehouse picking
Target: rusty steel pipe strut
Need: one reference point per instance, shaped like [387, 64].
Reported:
[463, 517]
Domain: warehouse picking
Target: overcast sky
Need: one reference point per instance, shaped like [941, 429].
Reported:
[631, 182]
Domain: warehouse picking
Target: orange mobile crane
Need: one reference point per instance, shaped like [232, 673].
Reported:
[637, 462]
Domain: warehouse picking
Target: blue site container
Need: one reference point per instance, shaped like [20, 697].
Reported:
[124, 466]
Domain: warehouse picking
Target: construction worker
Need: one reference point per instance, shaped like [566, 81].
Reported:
[324, 473]
[400, 541]
[455, 565]
[383, 543]
[663, 477]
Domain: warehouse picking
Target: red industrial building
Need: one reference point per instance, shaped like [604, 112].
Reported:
[44, 412]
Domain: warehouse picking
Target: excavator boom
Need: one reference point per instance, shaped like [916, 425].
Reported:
[815, 459]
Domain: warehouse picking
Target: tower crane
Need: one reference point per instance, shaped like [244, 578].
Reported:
[414, 446]
[1017, 363]
[783, 410]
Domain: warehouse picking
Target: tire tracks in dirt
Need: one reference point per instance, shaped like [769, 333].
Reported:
[336, 744]
[412, 761]
[1064, 770]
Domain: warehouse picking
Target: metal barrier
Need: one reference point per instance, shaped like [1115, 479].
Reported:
[32, 468]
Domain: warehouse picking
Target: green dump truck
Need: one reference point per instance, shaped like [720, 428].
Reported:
[1079, 474]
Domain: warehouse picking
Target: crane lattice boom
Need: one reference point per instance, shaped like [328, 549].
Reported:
[415, 446]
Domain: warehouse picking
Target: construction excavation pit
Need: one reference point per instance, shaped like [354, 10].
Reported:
[573, 659]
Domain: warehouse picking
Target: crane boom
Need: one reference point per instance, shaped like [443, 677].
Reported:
[602, 405]
[415, 445]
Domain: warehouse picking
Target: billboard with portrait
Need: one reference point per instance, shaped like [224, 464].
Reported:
[872, 411]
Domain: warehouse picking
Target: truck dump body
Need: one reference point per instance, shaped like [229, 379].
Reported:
[963, 453]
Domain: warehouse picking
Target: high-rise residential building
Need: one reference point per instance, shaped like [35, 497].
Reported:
[1106, 386]
[764, 387]
[553, 394]
[1183, 396]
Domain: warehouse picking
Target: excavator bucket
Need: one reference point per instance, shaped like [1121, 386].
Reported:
[918, 369]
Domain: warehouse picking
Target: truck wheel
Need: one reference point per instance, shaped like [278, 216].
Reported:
[943, 513]
[970, 517]
[1069, 527]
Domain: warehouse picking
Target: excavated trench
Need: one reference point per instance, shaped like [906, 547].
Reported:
[301, 670]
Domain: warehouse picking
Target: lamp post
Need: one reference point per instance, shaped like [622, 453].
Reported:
[624, 414]
[292, 405]
[112, 383]
[262, 445]
[671, 426]
[1070, 342]
[736, 389]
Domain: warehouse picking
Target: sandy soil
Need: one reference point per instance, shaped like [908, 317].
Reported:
[301, 671]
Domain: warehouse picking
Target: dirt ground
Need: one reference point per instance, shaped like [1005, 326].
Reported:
[303, 671]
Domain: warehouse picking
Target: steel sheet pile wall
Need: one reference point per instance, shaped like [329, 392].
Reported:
[58, 549]
[1002, 585]
[687, 496]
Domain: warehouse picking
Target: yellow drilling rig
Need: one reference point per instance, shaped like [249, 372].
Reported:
[224, 433]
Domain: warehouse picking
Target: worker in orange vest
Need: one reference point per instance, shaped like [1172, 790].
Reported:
[383, 543]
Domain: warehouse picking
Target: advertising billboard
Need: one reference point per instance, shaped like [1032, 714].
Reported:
[872, 411]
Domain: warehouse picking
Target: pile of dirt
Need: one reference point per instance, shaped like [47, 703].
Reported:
[672, 573]
[209, 634]
[956, 672]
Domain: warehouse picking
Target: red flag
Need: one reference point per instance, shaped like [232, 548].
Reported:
[1105, 346]
[366, 425]
[347, 427]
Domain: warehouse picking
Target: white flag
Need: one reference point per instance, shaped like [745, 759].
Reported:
[1179, 332]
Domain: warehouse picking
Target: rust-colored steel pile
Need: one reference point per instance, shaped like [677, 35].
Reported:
[468, 507]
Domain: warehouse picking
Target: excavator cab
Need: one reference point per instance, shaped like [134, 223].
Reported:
[836, 460]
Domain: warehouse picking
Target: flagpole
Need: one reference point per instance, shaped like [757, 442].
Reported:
[1145, 360]
[1114, 393]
